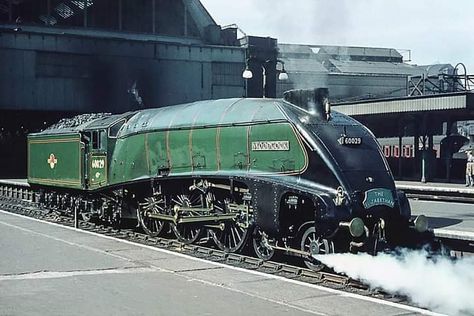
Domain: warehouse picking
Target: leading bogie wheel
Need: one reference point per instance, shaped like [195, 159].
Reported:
[262, 244]
[314, 245]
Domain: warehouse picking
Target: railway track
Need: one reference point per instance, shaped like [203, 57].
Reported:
[20, 200]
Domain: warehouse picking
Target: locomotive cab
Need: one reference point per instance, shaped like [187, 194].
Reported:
[99, 139]
[95, 159]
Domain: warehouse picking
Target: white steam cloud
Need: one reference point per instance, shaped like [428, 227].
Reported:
[439, 284]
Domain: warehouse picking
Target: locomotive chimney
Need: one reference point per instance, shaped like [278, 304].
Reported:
[315, 101]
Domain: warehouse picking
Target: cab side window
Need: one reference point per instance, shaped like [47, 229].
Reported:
[114, 129]
[96, 140]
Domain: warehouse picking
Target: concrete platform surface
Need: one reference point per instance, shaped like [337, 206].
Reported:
[22, 182]
[447, 219]
[47, 269]
[435, 187]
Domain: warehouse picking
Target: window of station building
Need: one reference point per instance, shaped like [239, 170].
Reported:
[396, 151]
[227, 74]
[104, 14]
[166, 17]
[175, 20]
[62, 65]
[137, 15]
[46, 12]
[23, 12]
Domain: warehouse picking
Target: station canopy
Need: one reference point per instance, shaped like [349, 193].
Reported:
[164, 17]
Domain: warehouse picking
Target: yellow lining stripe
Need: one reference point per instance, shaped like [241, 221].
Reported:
[218, 148]
[147, 154]
[190, 148]
[51, 141]
[51, 181]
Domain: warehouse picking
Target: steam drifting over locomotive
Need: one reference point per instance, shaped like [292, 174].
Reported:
[284, 175]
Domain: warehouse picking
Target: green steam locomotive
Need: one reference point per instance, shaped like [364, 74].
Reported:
[280, 174]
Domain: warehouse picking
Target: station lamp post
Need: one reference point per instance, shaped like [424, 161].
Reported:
[282, 74]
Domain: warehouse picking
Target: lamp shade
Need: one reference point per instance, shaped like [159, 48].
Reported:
[283, 76]
[247, 74]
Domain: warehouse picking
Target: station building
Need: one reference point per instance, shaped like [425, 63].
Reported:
[64, 57]
[420, 113]
[61, 57]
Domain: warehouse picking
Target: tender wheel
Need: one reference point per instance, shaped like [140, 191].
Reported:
[152, 205]
[232, 234]
[187, 233]
[87, 217]
[261, 245]
[314, 245]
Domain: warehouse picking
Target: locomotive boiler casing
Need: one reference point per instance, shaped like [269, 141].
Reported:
[247, 140]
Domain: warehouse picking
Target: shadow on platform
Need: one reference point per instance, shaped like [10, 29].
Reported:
[440, 222]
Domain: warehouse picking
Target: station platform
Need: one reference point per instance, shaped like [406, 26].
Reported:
[448, 206]
[47, 269]
[21, 182]
[439, 187]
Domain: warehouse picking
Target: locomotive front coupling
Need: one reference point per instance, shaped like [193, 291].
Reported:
[419, 223]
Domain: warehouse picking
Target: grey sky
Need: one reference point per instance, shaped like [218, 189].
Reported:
[436, 31]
